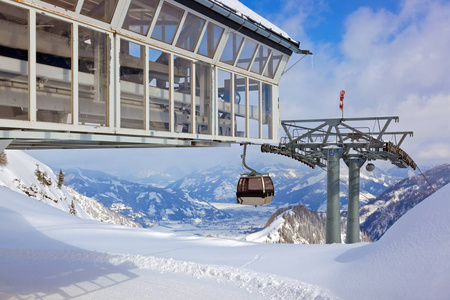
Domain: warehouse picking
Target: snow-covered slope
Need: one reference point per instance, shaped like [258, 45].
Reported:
[20, 175]
[47, 253]
[99, 212]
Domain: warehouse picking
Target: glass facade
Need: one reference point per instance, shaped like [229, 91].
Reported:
[245, 58]
[159, 86]
[260, 60]
[194, 77]
[132, 83]
[167, 24]
[140, 15]
[231, 49]
[210, 40]
[93, 81]
[240, 105]
[224, 102]
[254, 104]
[182, 94]
[14, 47]
[272, 65]
[266, 109]
[203, 99]
[101, 10]
[190, 33]
[53, 70]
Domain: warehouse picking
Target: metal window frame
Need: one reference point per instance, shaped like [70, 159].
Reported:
[120, 14]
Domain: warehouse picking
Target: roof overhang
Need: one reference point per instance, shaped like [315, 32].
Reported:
[246, 25]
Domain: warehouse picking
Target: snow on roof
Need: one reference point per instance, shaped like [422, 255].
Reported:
[245, 12]
[268, 29]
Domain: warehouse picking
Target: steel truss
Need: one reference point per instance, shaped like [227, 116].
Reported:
[323, 142]
[307, 143]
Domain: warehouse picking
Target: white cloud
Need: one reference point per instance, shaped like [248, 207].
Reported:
[389, 64]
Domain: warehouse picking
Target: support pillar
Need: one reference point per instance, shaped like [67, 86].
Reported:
[4, 144]
[353, 229]
[333, 234]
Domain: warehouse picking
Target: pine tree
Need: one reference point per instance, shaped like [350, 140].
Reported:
[46, 180]
[38, 174]
[60, 179]
[3, 159]
[42, 177]
[72, 209]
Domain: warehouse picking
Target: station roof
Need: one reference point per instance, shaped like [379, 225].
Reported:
[248, 20]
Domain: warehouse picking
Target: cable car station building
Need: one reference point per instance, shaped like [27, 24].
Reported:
[138, 73]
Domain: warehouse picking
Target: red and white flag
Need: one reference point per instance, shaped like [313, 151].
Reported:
[341, 102]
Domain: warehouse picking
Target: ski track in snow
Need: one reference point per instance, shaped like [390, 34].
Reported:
[269, 286]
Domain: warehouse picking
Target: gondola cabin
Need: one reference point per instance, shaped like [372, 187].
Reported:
[255, 190]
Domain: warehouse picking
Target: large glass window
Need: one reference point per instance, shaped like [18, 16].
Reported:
[224, 103]
[66, 4]
[266, 108]
[203, 103]
[139, 16]
[167, 23]
[253, 114]
[14, 47]
[159, 84]
[182, 94]
[53, 70]
[245, 58]
[231, 48]
[132, 62]
[210, 40]
[272, 65]
[240, 108]
[190, 32]
[260, 60]
[102, 10]
[93, 76]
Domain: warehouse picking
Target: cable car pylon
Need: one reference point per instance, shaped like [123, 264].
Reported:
[254, 188]
[323, 142]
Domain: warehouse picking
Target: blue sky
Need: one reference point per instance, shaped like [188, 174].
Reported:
[324, 19]
[391, 58]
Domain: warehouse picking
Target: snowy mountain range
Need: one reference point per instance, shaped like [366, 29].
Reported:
[145, 204]
[207, 198]
[293, 185]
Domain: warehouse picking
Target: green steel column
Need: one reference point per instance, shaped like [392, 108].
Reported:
[333, 234]
[353, 229]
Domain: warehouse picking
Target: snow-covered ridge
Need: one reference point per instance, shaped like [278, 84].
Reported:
[19, 175]
[99, 212]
